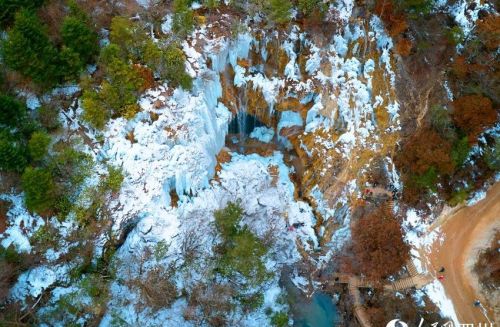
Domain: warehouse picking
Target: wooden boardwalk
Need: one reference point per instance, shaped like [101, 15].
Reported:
[354, 283]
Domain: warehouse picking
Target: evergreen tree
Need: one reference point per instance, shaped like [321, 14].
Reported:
[12, 152]
[175, 67]
[12, 112]
[279, 11]
[242, 252]
[117, 95]
[129, 37]
[39, 189]
[70, 64]
[183, 20]
[80, 38]
[308, 7]
[29, 51]
[38, 145]
[8, 9]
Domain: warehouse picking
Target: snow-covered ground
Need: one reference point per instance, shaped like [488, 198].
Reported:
[170, 148]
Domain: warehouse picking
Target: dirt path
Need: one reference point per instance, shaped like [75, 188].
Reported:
[465, 233]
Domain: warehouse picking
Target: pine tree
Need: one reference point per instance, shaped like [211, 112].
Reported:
[183, 20]
[175, 67]
[279, 11]
[38, 145]
[12, 112]
[80, 38]
[29, 51]
[307, 7]
[39, 189]
[8, 9]
[12, 152]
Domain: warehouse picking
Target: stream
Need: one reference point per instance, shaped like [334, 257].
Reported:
[319, 310]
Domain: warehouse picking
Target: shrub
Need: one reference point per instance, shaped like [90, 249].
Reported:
[38, 145]
[427, 180]
[403, 47]
[29, 51]
[458, 197]
[93, 113]
[215, 302]
[455, 35]
[460, 151]
[414, 7]
[157, 290]
[487, 266]
[251, 302]
[279, 319]
[39, 189]
[211, 4]
[307, 7]
[114, 179]
[48, 116]
[441, 121]
[70, 168]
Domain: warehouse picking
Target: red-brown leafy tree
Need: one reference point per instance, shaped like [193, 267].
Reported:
[378, 244]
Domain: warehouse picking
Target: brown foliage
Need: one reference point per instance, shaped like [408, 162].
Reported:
[403, 47]
[394, 22]
[213, 300]
[157, 290]
[378, 244]
[460, 67]
[488, 30]
[473, 114]
[146, 75]
[424, 149]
